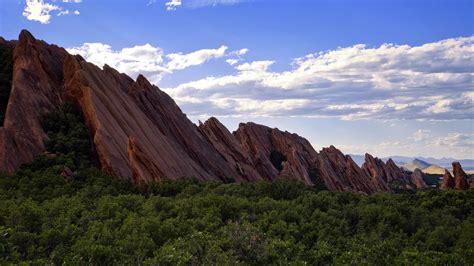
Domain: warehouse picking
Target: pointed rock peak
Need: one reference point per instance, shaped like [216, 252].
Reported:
[140, 85]
[212, 120]
[448, 180]
[331, 148]
[446, 172]
[368, 157]
[390, 163]
[457, 168]
[460, 177]
[142, 81]
[26, 36]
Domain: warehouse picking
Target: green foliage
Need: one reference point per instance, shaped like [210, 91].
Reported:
[6, 73]
[89, 218]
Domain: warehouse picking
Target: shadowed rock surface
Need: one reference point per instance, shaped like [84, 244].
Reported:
[417, 179]
[448, 180]
[37, 87]
[460, 177]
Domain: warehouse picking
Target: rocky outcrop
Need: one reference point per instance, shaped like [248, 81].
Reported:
[139, 133]
[377, 169]
[229, 148]
[460, 177]
[448, 180]
[274, 153]
[37, 85]
[341, 173]
[417, 179]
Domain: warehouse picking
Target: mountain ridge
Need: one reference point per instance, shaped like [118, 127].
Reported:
[139, 133]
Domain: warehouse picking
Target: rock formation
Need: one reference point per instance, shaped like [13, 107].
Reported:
[460, 177]
[341, 173]
[448, 180]
[139, 132]
[377, 169]
[37, 85]
[417, 179]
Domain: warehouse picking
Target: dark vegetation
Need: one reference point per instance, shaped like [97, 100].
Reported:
[90, 218]
[6, 72]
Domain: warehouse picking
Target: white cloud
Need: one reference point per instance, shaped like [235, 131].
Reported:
[63, 13]
[181, 61]
[421, 134]
[232, 61]
[141, 59]
[455, 139]
[38, 10]
[173, 4]
[428, 82]
[145, 59]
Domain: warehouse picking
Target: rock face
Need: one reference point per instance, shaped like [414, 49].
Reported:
[139, 133]
[377, 169]
[448, 180]
[341, 173]
[37, 87]
[274, 153]
[460, 177]
[417, 179]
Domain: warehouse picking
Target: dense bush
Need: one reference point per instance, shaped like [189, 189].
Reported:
[91, 218]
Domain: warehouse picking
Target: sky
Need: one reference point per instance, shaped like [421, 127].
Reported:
[389, 77]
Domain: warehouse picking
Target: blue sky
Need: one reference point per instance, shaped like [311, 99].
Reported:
[385, 77]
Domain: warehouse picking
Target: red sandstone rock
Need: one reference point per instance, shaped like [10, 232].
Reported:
[341, 173]
[448, 180]
[229, 148]
[417, 179]
[460, 177]
[36, 88]
[140, 133]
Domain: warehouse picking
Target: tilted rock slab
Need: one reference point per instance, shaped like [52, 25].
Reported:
[139, 133]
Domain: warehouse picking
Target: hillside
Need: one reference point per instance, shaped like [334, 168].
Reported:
[417, 163]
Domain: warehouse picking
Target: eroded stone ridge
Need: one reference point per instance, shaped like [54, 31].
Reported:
[139, 132]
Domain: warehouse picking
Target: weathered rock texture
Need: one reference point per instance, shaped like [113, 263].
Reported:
[417, 179]
[388, 172]
[460, 177]
[37, 86]
[140, 133]
[448, 180]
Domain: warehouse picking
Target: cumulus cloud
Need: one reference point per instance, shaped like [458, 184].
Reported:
[455, 139]
[39, 10]
[181, 61]
[173, 4]
[429, 82]
[421, 134]
[145, 59]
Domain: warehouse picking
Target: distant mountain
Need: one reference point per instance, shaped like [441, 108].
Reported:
[467, 164]
[434, 169]
[417, 163]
